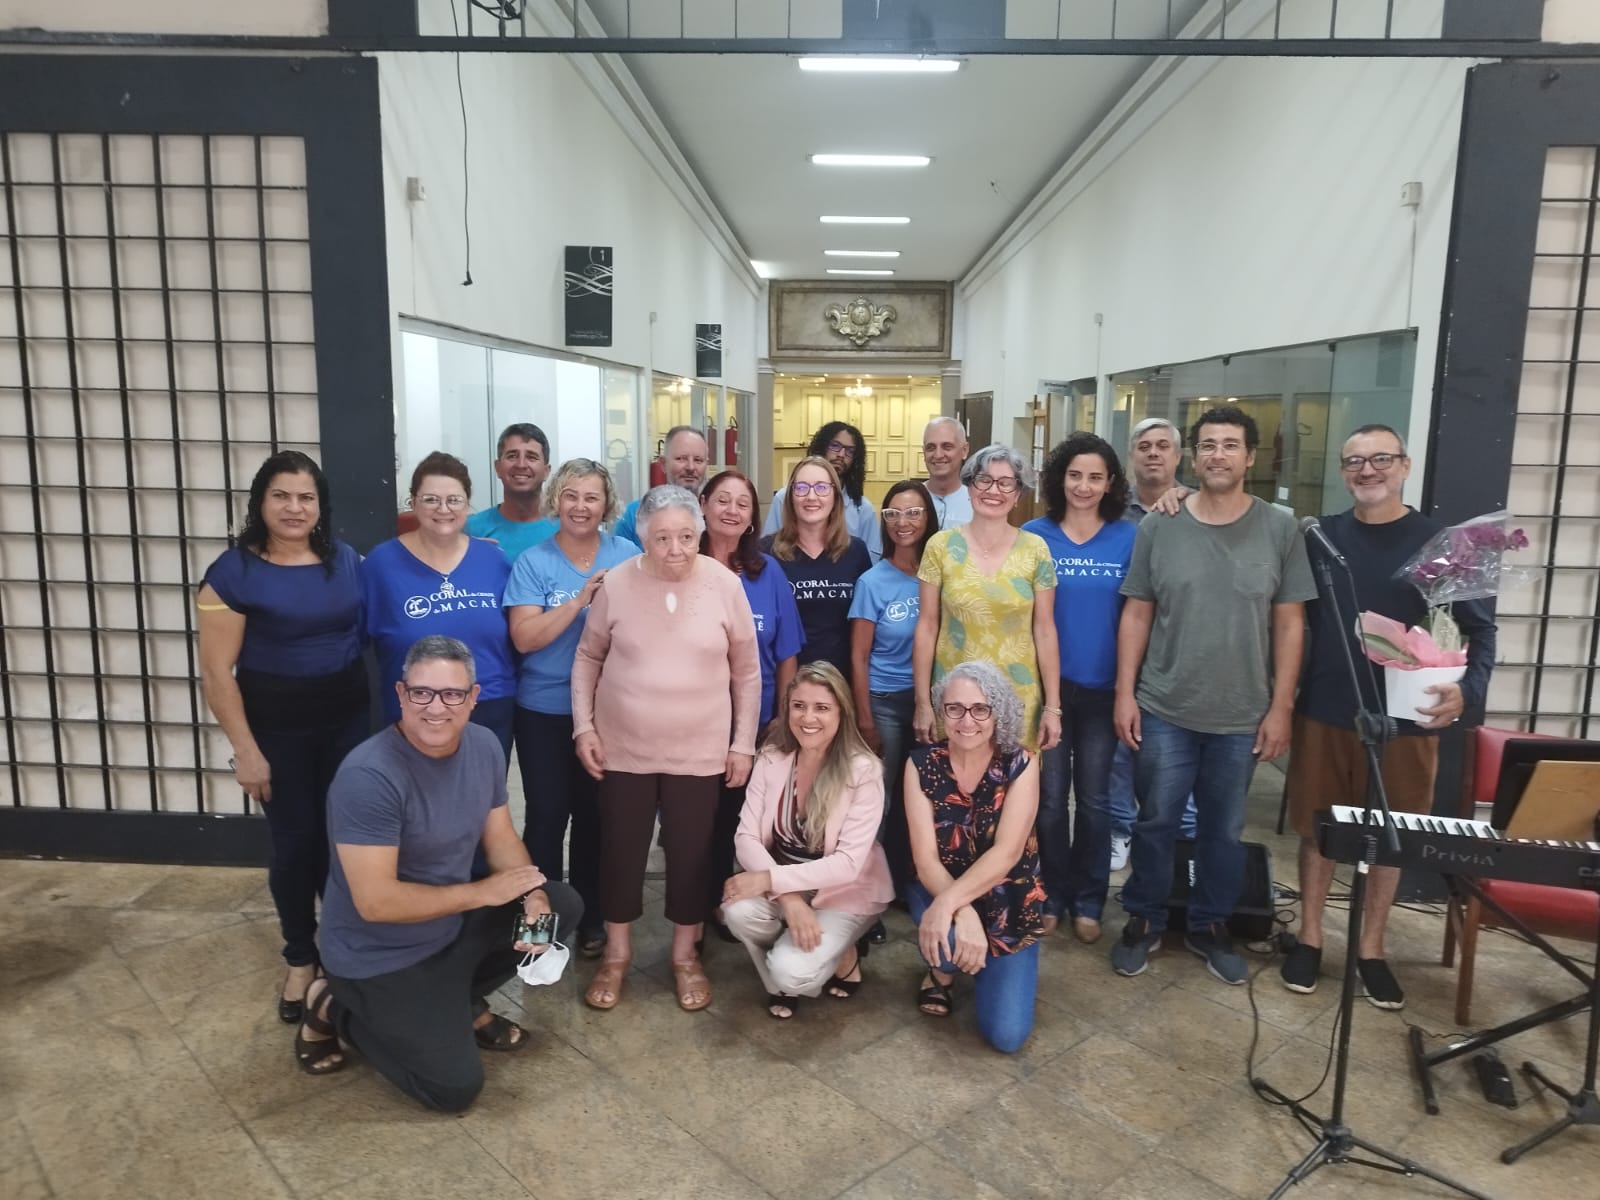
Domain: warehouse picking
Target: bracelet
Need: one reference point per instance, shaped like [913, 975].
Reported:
[1052, 711]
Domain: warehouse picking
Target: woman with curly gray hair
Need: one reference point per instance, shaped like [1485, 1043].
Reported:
[977, 899]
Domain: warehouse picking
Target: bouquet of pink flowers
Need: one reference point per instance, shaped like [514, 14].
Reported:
[1463, 562]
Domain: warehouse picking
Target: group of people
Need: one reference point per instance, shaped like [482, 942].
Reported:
[924, 705]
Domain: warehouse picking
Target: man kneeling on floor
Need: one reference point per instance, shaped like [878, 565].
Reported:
[411, 943]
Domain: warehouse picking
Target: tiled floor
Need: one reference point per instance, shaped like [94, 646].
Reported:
[141, 1057]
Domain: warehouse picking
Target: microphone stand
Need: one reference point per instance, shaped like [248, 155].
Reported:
[1335, 1140]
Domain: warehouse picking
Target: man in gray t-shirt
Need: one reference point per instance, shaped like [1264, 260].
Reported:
[1207, 656]
[411, 942]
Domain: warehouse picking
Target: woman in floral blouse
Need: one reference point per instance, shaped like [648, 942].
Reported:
[977, 900]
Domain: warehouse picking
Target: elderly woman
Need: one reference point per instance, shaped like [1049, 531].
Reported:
[814, 875]
[821, 560]
[977, 899]
[986, 594]
[1085, 495]
[436, 579]
[667, 666]
[845, 450]
[883, 622]
[281, 667]
[547, 598]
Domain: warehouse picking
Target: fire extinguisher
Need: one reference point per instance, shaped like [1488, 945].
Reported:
[658, 466]
[730, 443]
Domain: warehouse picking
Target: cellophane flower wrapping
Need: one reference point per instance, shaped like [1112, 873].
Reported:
[1464, 562]
[1390, 644]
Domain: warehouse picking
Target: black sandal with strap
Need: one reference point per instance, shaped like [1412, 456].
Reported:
[317, 1057]
[936, 999]
[774, 1000]
[500, 1034]
[849, 987]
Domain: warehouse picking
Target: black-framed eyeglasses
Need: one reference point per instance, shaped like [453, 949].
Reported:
[423, 696]
[980, 712]
[906, 514]
[844, 448]
[823, 490]
[1353, 463]
[1006, 483]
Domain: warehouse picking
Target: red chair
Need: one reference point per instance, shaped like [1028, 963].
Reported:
[405, 521]
[1550, 911]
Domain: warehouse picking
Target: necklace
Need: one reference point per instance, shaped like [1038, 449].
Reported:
[582, 562]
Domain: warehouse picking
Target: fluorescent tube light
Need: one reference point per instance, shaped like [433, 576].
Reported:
[862, 253]
[870, 160]
[865, 220]
[856, 271]
[861, 64]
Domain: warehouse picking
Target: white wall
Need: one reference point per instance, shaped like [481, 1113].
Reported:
[1261, 210]
[1571, 21]
[288, 18]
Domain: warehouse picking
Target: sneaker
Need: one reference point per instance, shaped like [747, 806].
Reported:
[1215, 945]
[1302, 968]
[1379, 985]
[1131, 955]
[1120, 846]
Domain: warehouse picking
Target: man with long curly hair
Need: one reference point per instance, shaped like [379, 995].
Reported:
[846, 451]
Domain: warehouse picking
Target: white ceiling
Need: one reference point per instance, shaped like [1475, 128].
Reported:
[997, 130]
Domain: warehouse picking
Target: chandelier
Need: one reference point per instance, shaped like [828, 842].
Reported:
[858, 392]
[680, 387]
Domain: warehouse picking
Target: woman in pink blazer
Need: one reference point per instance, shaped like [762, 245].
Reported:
[814, 877]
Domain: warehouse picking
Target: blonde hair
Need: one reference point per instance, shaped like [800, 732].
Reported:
[580, 468]
[836, 538]
[841, 762]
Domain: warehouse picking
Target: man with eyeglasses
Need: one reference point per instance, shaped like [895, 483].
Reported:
[1327, 763]
[411, 942]
[846, 451]
[944, 450]
[685, 456]
[522, 464]
[1208, 652]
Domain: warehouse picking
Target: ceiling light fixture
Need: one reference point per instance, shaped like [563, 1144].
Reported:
[862, 253]
[870, 160]
[862, 64]
[855, 271]
[859, 392]
[865, 220]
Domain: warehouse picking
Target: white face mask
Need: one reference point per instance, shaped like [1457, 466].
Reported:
[537, 969]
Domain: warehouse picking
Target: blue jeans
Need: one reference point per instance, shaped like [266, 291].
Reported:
[1075, 848]
[891, 713]
[1124, 808]
[499, 718]
[1172, 762]
[1004, 990]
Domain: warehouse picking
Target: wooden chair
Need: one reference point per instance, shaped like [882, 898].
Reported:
[1550, 911]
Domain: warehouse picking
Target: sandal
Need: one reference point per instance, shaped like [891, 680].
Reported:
[591, 943]
[935, 1000]
[690, 978]
[841, 988]
[607, 981]
[499, 1033]
[776, 1000]
[324, 1055]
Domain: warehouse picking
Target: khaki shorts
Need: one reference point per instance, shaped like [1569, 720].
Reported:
[1328, 766]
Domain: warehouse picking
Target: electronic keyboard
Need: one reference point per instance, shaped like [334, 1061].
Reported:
[1453, 846]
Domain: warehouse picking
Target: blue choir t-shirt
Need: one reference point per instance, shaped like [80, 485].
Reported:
[778, 632]
[300, 621]
[433, 810]
[546, 577]
[627, 527]
[888, 597]
[1088, 598]
[406, 599]
[513, 536]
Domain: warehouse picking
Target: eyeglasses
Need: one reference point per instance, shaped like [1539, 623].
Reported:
[450, 502]
[842, 448]
[422, 697]
[980, 712]
[1378, 462]
[903, 514]
[1006, 483]
[821, 490]
[1209, 448]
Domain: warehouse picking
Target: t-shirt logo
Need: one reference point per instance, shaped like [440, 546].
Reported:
[448, 598]
[418, 607]
[902, 610]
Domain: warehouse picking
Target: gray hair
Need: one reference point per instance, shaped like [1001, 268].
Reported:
[580, 468]
[1149, 423]
[995, 452]
[961, 430]
[659, 499]
[997, 693]
[438, 648]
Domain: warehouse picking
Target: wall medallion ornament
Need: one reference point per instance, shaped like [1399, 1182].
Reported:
[860, 320]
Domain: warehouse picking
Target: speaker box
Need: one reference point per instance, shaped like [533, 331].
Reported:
[1252, 915]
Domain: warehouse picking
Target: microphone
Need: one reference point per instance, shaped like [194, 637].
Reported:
[1312, 528]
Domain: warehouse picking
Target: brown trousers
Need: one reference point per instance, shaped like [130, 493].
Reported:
[628, 807]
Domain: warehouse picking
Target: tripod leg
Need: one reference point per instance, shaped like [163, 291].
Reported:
[1407, 1167]
[1316, 1157]
[1544, 1135]
[1533, 1072]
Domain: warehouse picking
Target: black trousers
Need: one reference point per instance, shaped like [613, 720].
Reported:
[557, 790]
[415, 1025]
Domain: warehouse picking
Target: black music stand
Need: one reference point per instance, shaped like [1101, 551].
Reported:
[1335, 1140]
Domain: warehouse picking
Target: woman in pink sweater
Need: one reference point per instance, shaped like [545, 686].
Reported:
[815, 878]
[666, 668]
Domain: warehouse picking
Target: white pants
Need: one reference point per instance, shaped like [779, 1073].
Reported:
[785, 969]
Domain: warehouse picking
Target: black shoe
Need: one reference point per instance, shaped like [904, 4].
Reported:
[1379, 985]
[1302, 968]
[1131, 954]
[1215, 945]
[877, 935]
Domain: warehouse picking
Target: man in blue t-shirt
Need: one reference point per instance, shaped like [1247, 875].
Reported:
[522, 464]
[685, 456]
[411, 942]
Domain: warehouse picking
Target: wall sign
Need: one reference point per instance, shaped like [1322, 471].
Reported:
[588, 286]
[708, 351]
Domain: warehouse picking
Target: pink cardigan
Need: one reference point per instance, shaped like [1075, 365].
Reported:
[852, 875]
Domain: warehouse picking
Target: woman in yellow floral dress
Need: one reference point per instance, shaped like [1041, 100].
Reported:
[986, 594]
